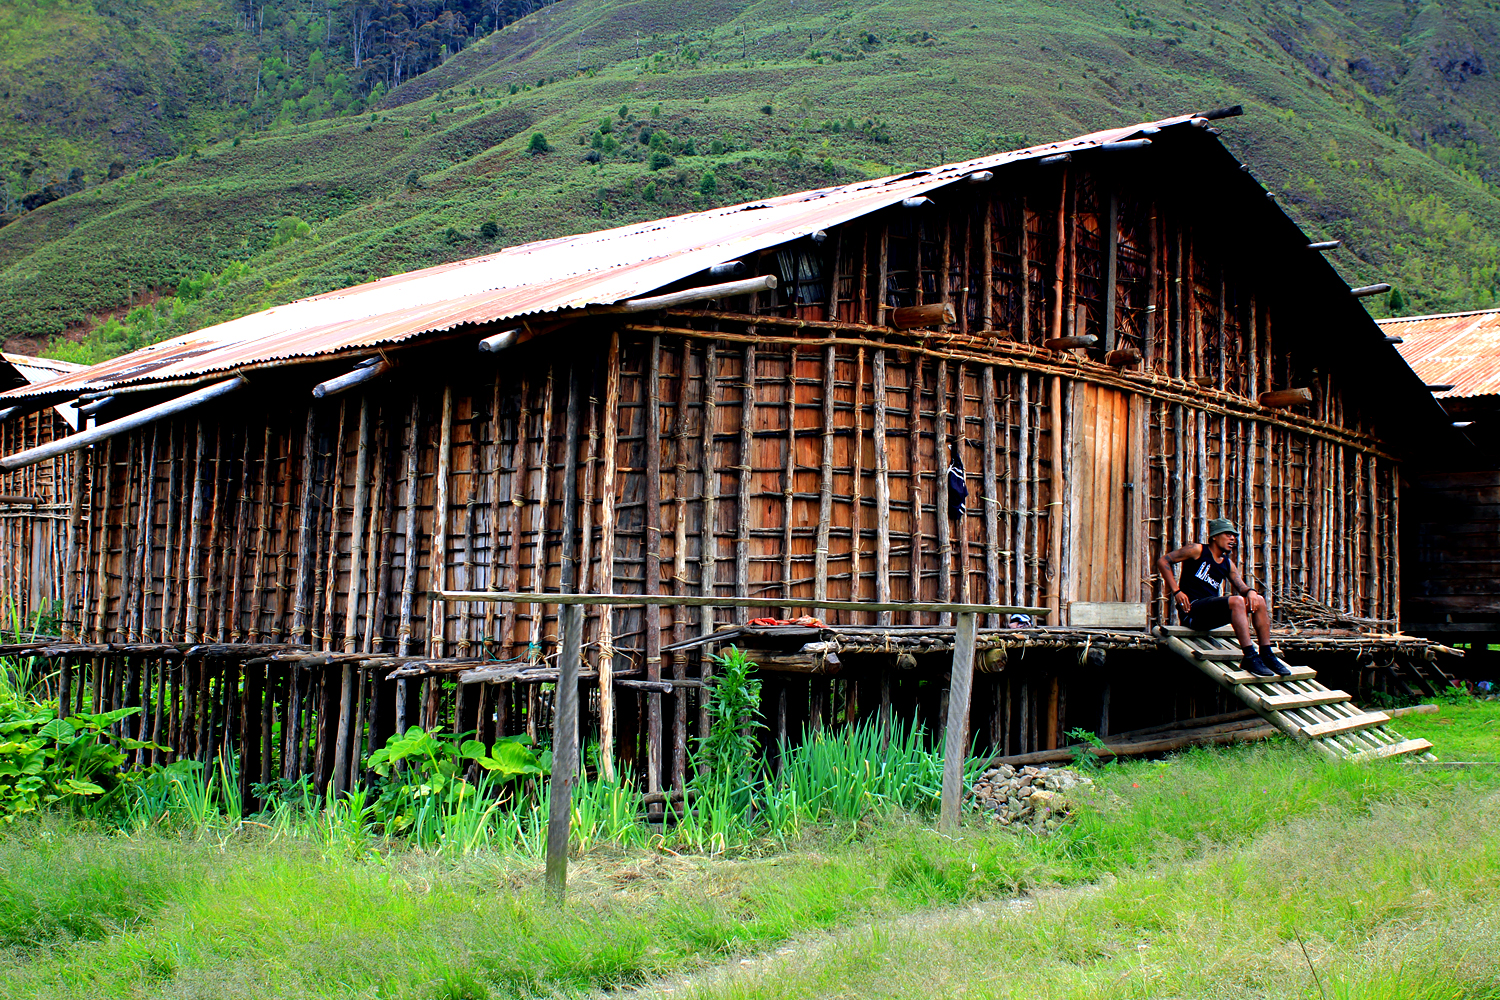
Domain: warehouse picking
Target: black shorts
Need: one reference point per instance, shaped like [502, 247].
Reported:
[1208, 613]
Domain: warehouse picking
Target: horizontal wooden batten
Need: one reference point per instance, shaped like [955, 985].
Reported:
[1033, 358]
[664, 600]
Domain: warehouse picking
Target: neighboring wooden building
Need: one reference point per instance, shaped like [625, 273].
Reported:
[1453, 534]
[34, 501]
[791, 444]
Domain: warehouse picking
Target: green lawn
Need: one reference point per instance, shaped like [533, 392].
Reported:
[1212, 864]
[1469, 730]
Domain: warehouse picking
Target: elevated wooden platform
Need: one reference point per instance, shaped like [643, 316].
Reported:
[1297, 705]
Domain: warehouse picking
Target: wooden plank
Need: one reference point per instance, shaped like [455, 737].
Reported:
[1283, 702]
[1114, 490]
[1244, 677]
[1222, 632]
[1362, 721]
[1107, 614]
[1392, 750]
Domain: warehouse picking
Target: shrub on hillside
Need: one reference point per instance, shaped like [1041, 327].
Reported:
[538, 144]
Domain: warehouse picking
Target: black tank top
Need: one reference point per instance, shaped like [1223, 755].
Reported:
[1203, 577]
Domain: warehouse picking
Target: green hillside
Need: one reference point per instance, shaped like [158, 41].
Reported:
[1377, 127]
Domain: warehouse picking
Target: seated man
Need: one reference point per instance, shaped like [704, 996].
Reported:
[1202, 606]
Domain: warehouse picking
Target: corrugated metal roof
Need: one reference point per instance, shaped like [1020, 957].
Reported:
[549, 276]
[35, 370]
[1457, 349]
[39, 370]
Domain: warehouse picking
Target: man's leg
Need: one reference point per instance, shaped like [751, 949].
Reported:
[1260, 611]
[1240, 620]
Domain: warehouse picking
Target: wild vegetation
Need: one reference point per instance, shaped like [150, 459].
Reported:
[1374, 126]
[1213, 866]
[157, 880]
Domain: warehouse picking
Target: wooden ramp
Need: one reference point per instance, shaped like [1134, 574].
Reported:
[1297, 705]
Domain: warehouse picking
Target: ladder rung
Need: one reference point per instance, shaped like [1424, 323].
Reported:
[1332, 728]
[1224, 655]
[1223, 631]
[1282, 702]
[1220, 655]
[1245, 677]
[1393, 750]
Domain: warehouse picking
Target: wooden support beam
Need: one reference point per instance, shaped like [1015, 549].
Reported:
[1070, 343]
[1283, 398]
[102, 432]
[932, 314]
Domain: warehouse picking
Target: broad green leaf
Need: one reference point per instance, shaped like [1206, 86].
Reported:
[58, 729]
[101, 720]
[78, 787]
[471, 750]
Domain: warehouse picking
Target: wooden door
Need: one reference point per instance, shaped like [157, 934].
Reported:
[1106, 558]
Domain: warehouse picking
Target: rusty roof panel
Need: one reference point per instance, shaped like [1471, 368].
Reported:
[569, 272]
[1457, 349]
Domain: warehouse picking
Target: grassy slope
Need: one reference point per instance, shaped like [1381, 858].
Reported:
[90, 82]
[1253, 843]
[1338, 105]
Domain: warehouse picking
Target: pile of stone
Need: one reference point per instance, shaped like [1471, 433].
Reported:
[1036, 797]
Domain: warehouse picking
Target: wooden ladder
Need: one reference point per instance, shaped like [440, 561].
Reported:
[1297, 705]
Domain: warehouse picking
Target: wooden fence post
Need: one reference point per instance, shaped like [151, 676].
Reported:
[958, 719]
[565, 755]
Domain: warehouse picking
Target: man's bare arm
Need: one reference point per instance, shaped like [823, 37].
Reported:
[1165, 562]
[1236, 582]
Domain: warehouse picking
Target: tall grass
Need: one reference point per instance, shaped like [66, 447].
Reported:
[843, 777]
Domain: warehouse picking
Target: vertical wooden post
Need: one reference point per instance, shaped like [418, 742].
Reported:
[1023, 484]
[825, 483]
[356, 526]
[882, 491]
[956, 745]
[607, 494]
[940, 487]
[1059, 266]
[708, 543]
[991, 512]
[437, 611]
[565, 752]
[341, 742]
[742, 504]
[651, 540]
[1057, 508]
[1111, 267]
[301, 606]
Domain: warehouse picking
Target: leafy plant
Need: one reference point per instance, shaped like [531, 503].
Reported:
[1087, 761]
[726, 756]
[46, 760]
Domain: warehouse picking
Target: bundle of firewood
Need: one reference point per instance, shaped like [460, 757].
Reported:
[1300, 610]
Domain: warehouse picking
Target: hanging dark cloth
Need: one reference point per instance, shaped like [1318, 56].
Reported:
[958, 488]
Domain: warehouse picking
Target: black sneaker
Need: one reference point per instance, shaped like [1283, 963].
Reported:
[1273, 661]
[1253, 664]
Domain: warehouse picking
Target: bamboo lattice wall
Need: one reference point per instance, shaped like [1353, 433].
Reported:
[34, 538]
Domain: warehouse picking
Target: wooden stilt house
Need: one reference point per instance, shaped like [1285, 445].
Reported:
[1453, 535]
[1116, 337]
